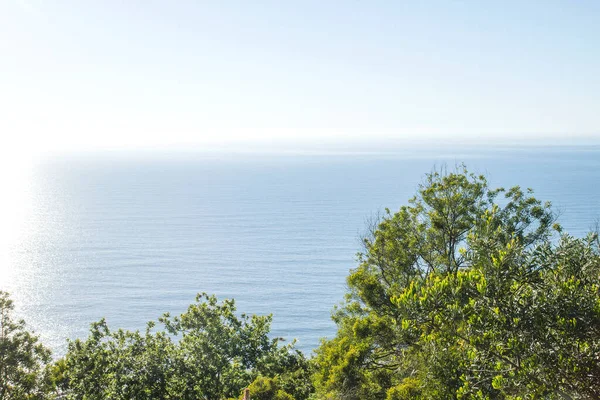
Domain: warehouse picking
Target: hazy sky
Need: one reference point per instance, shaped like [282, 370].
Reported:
[82, 74]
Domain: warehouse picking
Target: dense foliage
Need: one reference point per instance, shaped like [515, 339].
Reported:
[208, 352]
[468, 292]
[23, 360]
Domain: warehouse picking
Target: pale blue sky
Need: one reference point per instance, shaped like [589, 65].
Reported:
[81, 74]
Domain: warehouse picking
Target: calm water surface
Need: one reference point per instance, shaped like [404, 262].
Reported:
[130, 237]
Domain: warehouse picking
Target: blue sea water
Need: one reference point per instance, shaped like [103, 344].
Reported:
[128, 237]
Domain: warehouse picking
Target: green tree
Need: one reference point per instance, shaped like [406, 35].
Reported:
[467, 292]
[23, 359]
[208, 352]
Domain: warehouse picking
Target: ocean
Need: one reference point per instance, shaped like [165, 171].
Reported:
[131, 236]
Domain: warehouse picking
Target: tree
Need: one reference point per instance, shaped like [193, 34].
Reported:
[23, 359]
[467, 292]
[208, 352]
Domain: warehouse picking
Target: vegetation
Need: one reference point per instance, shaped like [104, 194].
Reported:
[23, 360]
[208, 352]
[467, 292]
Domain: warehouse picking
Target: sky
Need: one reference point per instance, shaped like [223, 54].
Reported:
[80, 75]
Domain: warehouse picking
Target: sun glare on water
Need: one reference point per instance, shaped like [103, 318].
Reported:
[16, 174]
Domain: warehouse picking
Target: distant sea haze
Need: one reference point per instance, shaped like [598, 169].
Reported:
[128, 238]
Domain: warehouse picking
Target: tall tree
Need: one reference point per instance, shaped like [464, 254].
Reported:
[467, 292]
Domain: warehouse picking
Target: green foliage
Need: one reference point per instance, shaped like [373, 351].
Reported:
[408, 389]
[120, 365]
[268, 389]
[291, 370]
[208, 352]
[23, 359]
[465, 293]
